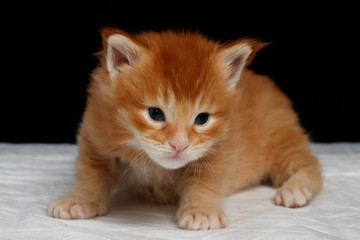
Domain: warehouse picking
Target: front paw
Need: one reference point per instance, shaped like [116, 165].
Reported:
[293, 196]
[201, 219]
[75, 208]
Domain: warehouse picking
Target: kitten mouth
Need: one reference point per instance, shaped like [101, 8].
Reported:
[176, 156]
[171, 160]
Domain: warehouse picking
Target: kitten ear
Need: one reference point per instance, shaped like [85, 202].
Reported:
[120, 50]
[235, 56]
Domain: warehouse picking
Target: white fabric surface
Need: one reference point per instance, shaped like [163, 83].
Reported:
[31, 175]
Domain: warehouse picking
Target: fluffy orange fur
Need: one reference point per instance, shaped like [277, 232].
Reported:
[252, 132]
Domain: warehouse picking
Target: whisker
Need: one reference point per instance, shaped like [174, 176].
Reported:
[157, 146]
[142, 168]
[137, 158]
[197, 172]
[209, 165]
[124, 173]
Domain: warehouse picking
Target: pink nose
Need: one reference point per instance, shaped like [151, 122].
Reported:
[179, 143]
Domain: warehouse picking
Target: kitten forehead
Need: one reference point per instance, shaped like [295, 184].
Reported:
[181, 59]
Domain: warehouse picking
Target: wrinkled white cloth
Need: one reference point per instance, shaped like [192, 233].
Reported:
[31, 175]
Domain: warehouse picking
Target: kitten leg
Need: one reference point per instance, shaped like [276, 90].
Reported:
[298, 174]
[89, 198]
[200, 204]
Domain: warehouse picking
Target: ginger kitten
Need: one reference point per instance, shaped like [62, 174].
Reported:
[177, 118]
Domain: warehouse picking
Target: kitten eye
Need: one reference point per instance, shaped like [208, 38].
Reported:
[156, 114]
[201, 119]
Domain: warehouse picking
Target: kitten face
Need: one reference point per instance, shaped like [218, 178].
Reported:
[176, 126]
[177, 133]
[173, 142]
[173, 93]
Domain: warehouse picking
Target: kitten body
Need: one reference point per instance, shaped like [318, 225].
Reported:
[176, 118]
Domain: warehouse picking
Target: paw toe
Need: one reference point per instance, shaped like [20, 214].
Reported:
[204, 223]
[77, 211]
[185, 221]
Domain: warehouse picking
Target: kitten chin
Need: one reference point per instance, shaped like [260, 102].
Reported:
[186, 121]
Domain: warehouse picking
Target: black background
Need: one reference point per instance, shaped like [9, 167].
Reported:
[47, 56]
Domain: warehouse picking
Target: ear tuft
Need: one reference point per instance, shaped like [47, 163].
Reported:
[120, 51]
[236, 56]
